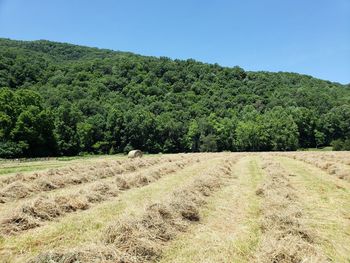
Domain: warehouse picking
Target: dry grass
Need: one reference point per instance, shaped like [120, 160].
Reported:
[285, 236]
[84, 227]
[334, 163]
[142, 238]
[326, 200]
[228, 230]
[26, 185]
[212, 209]
[22, 186]
[10, 168]
[33, 213]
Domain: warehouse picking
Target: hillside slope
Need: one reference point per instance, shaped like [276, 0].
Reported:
[63, 99]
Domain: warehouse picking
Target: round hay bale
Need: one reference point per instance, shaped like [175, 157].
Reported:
[135, 154]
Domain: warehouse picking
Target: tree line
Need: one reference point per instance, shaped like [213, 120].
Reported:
[62, 99]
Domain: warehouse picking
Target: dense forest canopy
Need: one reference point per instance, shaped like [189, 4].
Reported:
[62, 99]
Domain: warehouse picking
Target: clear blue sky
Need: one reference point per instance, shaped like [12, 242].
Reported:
[305, 36]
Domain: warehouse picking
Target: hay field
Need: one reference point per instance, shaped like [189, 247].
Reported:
[204, 207]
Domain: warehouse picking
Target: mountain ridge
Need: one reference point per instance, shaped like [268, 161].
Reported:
[101, 101]
[40, 42]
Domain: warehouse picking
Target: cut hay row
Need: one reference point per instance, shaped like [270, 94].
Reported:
[229, 230]
[84, 227]
[107, 180]
[327, 202]
[79, 171]
[74, 189]
[142, 238]
[339, 169]
[340, 157]
[46, 208]
[285, 237]
[71, 169]
[60, 179]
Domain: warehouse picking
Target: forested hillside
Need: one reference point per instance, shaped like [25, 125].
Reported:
[62, 99]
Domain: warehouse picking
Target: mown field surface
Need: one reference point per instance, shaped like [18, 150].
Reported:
[205, 207]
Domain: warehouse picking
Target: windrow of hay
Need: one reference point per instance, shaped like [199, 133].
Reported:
[92, 253]
[102, 167]
[61, 178]
[335, 164]
[33, 213]
[142, 238]
[338, 156]
[285, 237]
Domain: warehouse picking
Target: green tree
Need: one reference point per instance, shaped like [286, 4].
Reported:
[320, 138]
[34, 129]
[281, 129]
[193, 136]
[251, 136]
[336, 123]
[208, 143]
[67, 118]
